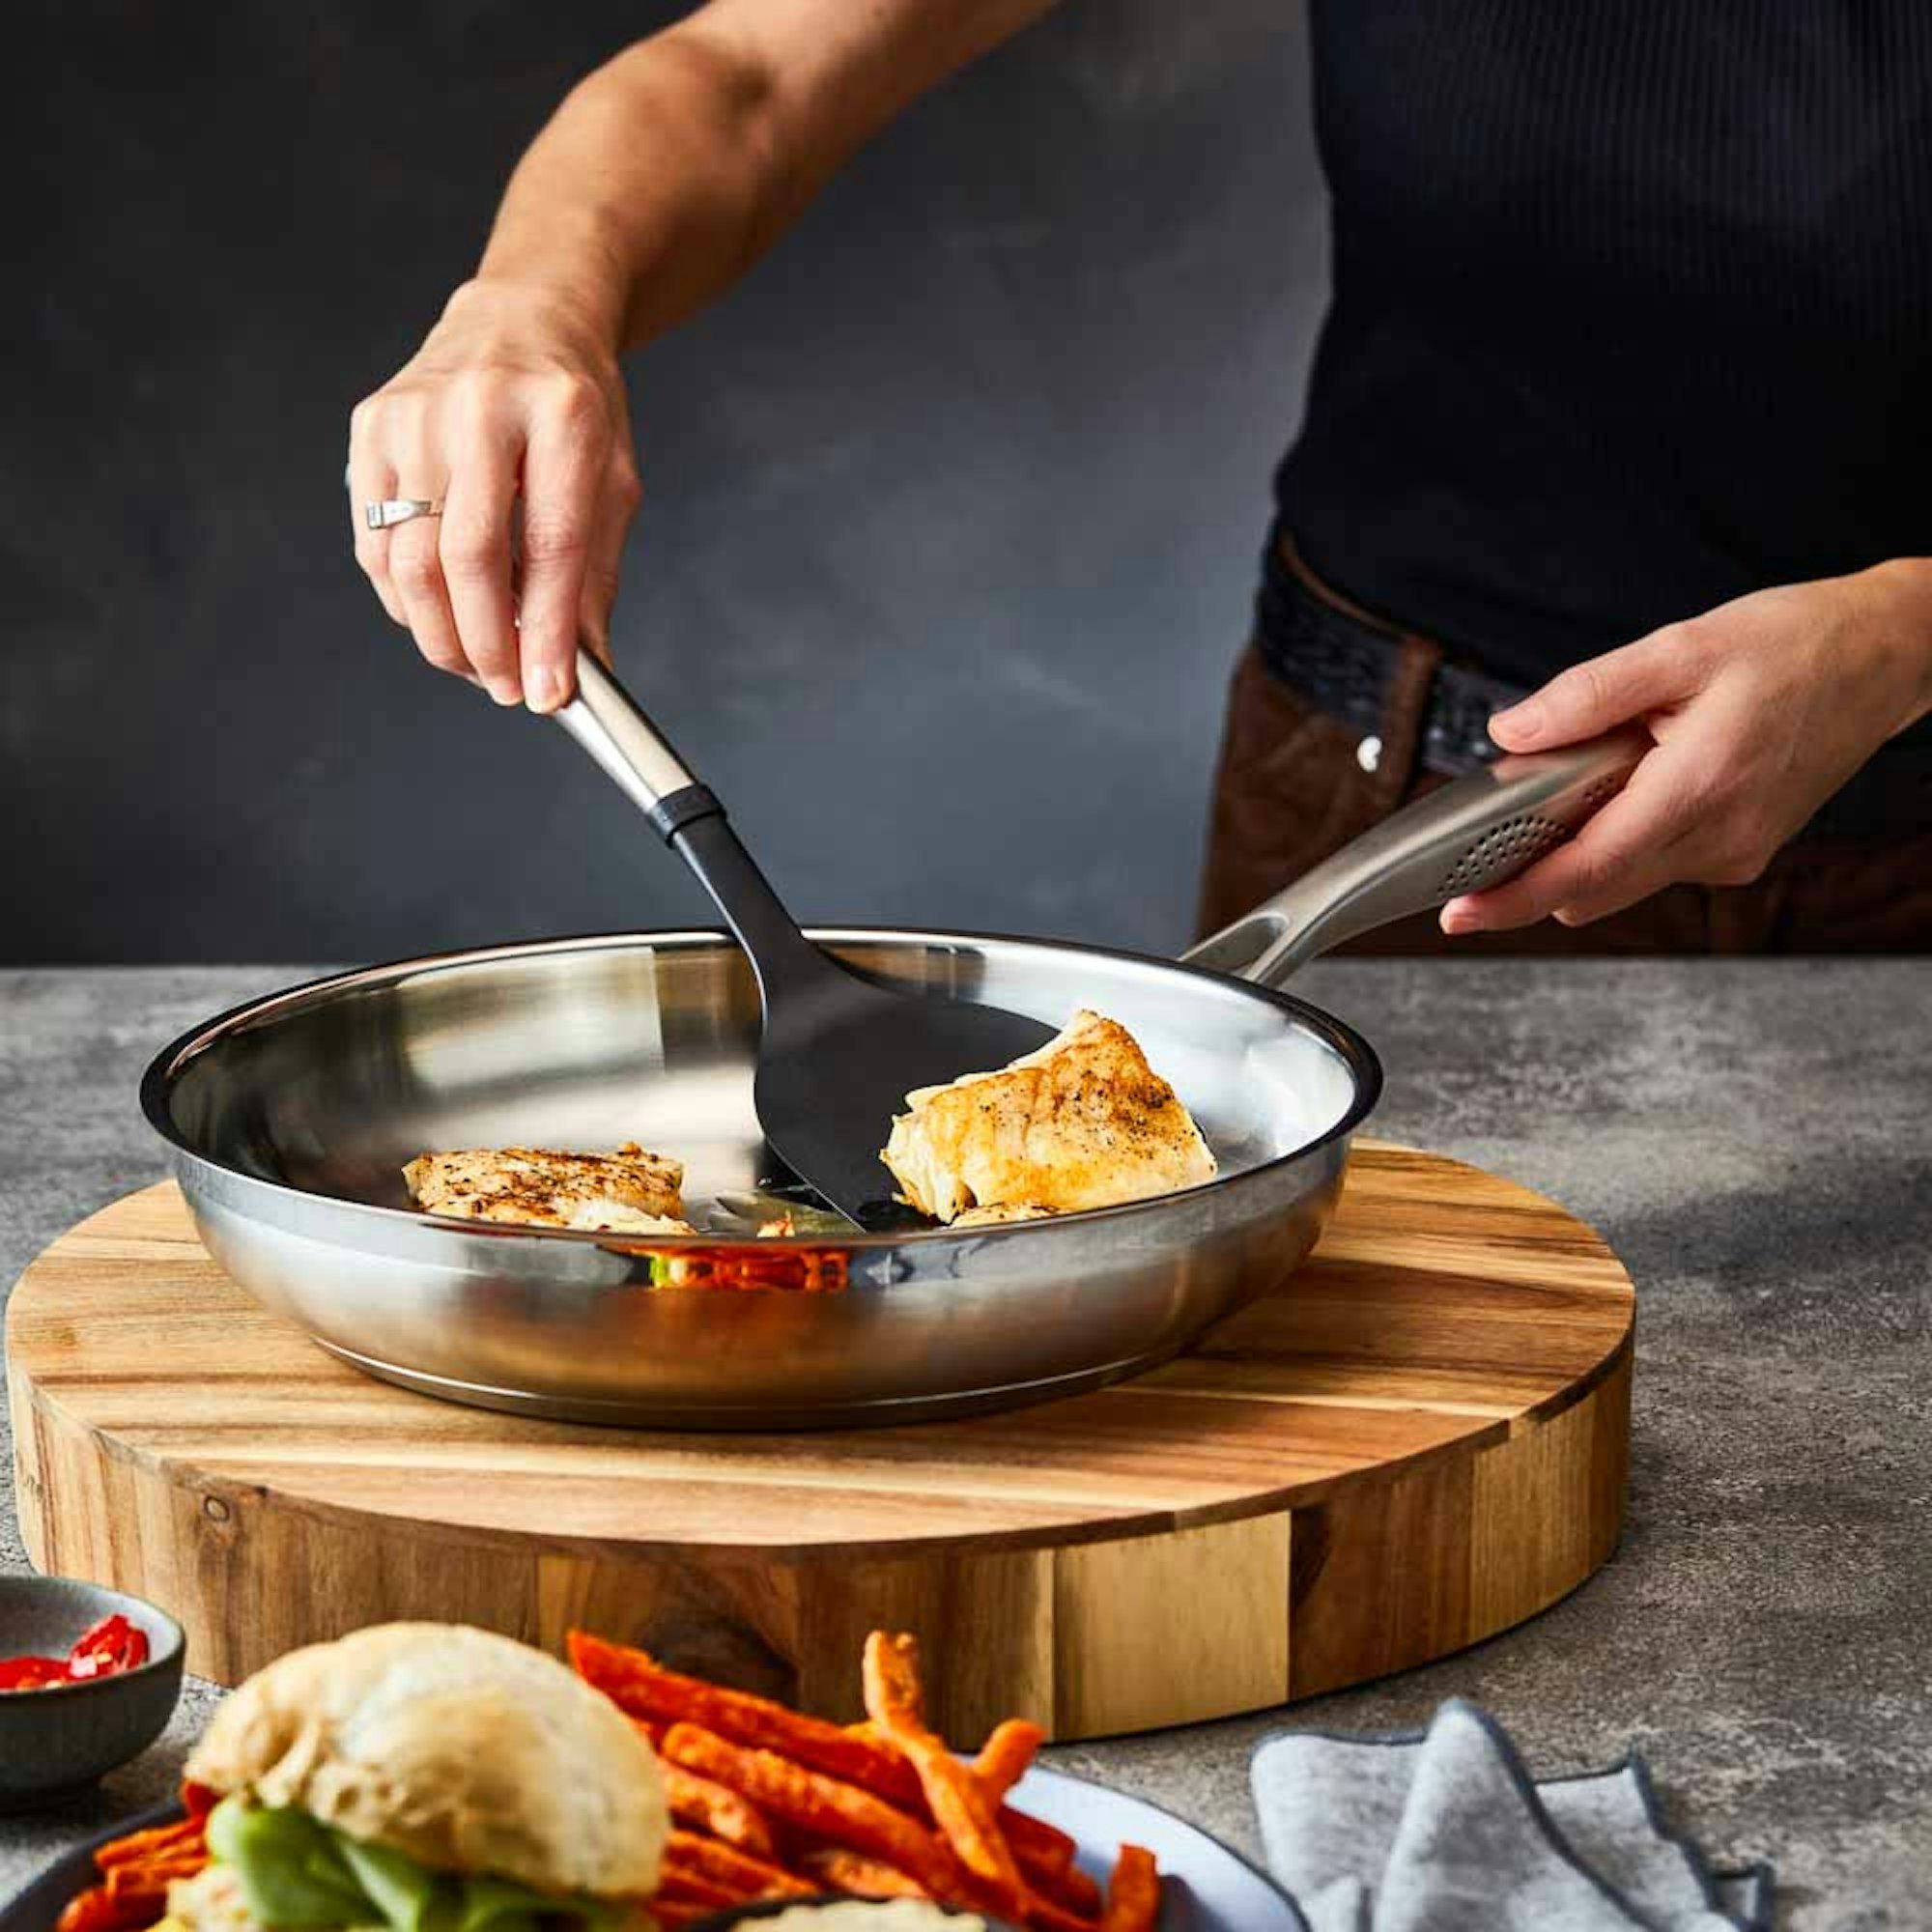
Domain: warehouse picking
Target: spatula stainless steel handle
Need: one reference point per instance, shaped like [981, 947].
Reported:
[612, 726]
[1469, 836]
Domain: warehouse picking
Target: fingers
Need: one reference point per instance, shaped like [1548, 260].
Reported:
[1620, 856]
[502, 403]
[416, 570]
[393, 452]
[617, 507]
[563, 473]
[1602, 693]
[1662, 866]
[1675, 820]
[474, 551]
[1753, 714]
[371, 478]
[514, 393]
[1595, 865]
[417, 575]
[504, 609]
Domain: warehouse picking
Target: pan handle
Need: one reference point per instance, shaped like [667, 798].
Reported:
[1476, 833]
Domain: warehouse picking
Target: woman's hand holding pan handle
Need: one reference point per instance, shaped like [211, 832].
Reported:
[1759, 710]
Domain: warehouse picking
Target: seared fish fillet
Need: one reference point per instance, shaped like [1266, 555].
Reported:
[1082, 1122]
[629, 1192]
[1007, 1211]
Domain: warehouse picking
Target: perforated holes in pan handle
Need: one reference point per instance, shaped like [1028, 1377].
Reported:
[1483, 829]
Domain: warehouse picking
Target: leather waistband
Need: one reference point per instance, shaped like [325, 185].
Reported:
[1344, 661]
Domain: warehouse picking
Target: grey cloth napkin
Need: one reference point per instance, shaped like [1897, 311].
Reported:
[1445, 1831]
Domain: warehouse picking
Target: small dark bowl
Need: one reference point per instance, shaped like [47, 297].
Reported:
[55, 1743]
[736, 1916]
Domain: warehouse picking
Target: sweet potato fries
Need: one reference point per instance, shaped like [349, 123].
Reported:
[878, 1809]
[137, 1871]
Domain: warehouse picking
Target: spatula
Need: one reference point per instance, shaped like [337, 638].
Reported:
[838, 1051]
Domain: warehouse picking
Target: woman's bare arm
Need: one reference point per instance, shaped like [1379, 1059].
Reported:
[668, 172]
[659, 180]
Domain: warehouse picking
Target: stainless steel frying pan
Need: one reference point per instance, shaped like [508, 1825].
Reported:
[291, 1117]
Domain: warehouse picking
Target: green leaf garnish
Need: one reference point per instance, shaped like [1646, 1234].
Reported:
[297, 1873]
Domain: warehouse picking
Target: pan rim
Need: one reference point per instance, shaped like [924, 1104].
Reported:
[158, 1080]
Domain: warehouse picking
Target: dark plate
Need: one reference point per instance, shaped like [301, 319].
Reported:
[35, 1909]
[1206, 1887]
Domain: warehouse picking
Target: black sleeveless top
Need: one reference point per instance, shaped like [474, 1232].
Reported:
[1631, 312]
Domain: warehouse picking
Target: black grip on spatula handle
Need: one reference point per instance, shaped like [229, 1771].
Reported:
[676, 810]
[614, 727]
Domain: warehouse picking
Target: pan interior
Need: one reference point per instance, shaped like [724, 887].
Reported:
[583, 1044]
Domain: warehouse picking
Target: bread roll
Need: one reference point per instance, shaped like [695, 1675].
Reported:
[467, 1752]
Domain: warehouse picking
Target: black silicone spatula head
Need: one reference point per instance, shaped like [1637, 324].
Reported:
[838, 1051]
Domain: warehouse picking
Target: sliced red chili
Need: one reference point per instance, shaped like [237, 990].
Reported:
[110, 1645]
[31, 1673]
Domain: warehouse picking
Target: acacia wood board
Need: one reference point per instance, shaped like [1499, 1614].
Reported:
[1419, 1440]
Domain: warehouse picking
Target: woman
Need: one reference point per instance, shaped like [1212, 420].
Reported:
[1618, 415]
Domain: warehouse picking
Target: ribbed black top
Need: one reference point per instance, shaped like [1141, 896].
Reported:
[1633, 310]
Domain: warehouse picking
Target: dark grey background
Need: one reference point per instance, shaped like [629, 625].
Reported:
[953, 507]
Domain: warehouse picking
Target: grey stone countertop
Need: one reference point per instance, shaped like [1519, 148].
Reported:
[1754, 1138]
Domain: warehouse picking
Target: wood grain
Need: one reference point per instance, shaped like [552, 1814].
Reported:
[1420, 1440]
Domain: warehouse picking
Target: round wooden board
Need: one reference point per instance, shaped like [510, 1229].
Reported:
[1420, 1441]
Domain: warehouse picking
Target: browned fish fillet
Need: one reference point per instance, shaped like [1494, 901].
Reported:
[1006, 1210]
[628, 1192]
[1082, 1122]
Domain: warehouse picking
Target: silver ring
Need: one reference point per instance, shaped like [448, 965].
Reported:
[400, 510]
